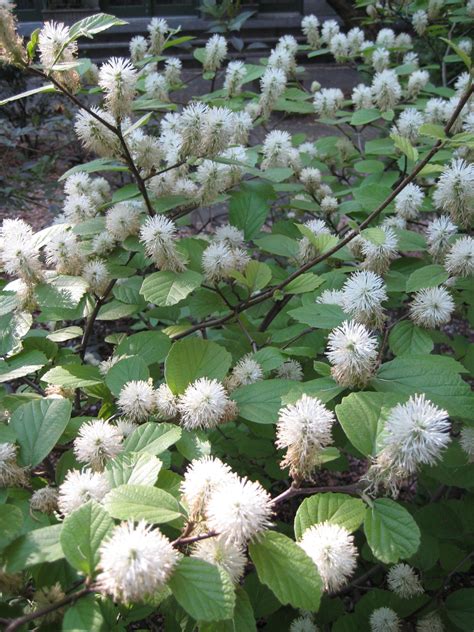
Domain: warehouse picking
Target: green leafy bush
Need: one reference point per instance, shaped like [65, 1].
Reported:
[261, 423]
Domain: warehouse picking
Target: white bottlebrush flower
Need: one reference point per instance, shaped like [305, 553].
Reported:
[468, 123]
[217, 130]
[462, 83]
[386, 38]
[166, 402]
[125, 427]
[310, 28]
[146, 150]
[460, 257]
[137, 400]
[303, 624]
[243, 123]
[138, 48]
[332, 549]
[215, 52]
[96, 443]
[156, 87]
[465, 45]
[158, 234]
[246, 371]
[173, 66]
[202, 477]
[239, 510]
[53, 44]
[362, 297]
[97, 275]
[352, 351]
[135, 562]
[157, 29]
[12, 49]
[409, 201]
[79, 183]
[306, 250]
[455, 191]
[275, 149]
[378, 257]
[329, 29]
[384, 620]
[329, 204]
[78, 208]
[118, 79]
[435, 111]
[234, 78]
[420, 21]
[290, 370]
[272, 86]
[408, 124]
[356, 40]
[308, 148]
[339, 47]
[122, 220]
[79, 487]
[466, 441]
[330, 297]
[431, 307]
[310, 177]
[229, 234]
[44, 500]
[219, 259]
[386, 90]
[11, 474]
[213, 178]
[362, 97]
[63, 252]
[416, 82]
[191, 128]
[404, 582]
[94, 135]
[18, 252]
[225, 554]
[327, 102]
[380, 59]
[304, 430]
[438, 236]
[102, 244]
[431, 622]
[203, 404]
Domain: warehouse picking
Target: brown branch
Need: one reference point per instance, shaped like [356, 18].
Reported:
[90, 323]
[194, 538]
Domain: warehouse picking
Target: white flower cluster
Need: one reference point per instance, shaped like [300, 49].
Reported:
[96, 443]
[224, 255]
[352, 352]
[11, 474]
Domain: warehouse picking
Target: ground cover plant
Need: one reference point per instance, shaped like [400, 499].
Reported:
[263, 421]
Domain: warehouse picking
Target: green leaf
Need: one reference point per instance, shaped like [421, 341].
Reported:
[62, 292]
[364, 116]
[124, 371]
[84, 616]
[73, 376]
[432, 130]
[151, 346]
[168, 288]
[21, 364]
[257, 275]
[407, 338]
[260, 402]
[13, 328]
[428, 374]
[278, 245]
[135, 468]
[11, 521]
[64, 334]
[152, 437]
[141, 502]
[459, 52]
[248, 208]
[193, 358]
[369, 166]
[338, 509]
[93, 24]
[242, 621]
[82, 535]
[319, 316]
[285, 568]
[35, 547]
[404, 145]
[99, 164]
[304, 283]
[204, 591]
[48, 87]
[360, 415]
[460, 608]
[428, 276]
[38, 426]
[391, 532]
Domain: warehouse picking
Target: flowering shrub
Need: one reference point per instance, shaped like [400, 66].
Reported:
[265, 419]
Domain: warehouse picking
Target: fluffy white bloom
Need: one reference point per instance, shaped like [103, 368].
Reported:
[332, 549]
[411, 57]
[438, 234]
[242, 125]
[431, 307]
[156, 86]
[339, 47]
[79, 487]
[79, 208]
[384, 620]
[213, 178]
[122, 220]
[462, 83]
[356, 40]
[435, 111]
[102, 244]
[460, 258]
[44, 500]
[304, 430]
[96, 274]
[408, 124]
[362, 97]
[158, 29]
[311, 178]
[239, 510]
[18, 252]
[217, 130]
[386, 38]
[229, 234]
[308, 148]
[282, 59]
[63, 252]
[125, 427]
[11, 474]
[272, 86]
[306, 250]
[466, 441]
[96, 443]
[246, 371]
[223, 553]
[191, 125]
[118, 79]
[214, 53]
[138, 48]
[158, 234]
[329, 29]
[203, 404]
[219, 259]
[234, 78]
[173, 66]
[380, 59]
[137, 400]
[135, 562]
[11, 43]
[330, 297]
[465, 45]
[468, 123]
[352, 351]
[362, 297]
[329, 204]
[290, 370]
[201, 479]
[431, 623]
[275, 149]
[78, 183]
[386, 90]
[379, 256]
[94, 135]
[165, 402]
[303, 624]
[52, 44]
[404, 582]
[327, 102]
[416, 82]
[409, 201]
[419, 21]
[310, 28]
[455, 191]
